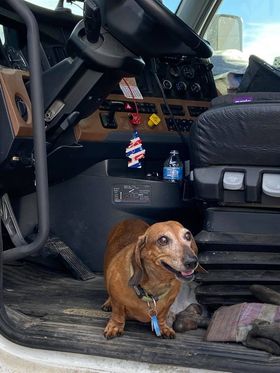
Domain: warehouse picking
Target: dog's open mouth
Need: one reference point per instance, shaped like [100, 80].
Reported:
[187, 275]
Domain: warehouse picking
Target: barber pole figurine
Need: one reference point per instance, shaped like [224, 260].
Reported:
[135, 151]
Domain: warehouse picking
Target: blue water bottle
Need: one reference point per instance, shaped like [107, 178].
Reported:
[173, 168]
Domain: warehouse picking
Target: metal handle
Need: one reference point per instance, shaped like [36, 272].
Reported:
[41, 173]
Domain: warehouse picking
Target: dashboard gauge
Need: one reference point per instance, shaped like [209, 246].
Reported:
[167, 85]
[174, 71]
[181, 87]
[195, 88]
[188, 72]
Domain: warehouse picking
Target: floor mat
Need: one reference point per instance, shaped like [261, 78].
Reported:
[55, 311]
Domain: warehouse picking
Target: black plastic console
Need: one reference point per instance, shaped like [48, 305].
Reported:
[85, 208]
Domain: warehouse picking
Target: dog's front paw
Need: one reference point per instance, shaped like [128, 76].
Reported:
[113, 330]
[167, 332]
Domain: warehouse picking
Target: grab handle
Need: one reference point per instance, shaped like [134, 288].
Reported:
[39, 137]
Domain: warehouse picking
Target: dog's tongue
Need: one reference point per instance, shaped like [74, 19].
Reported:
[186, 274]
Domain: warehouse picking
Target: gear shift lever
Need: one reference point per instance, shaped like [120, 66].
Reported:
[92, 20]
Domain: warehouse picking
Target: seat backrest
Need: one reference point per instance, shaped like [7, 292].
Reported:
[235, 148]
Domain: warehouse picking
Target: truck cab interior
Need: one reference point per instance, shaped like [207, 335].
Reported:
[51, 295]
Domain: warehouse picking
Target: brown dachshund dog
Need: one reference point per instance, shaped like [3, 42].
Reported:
[144, 267]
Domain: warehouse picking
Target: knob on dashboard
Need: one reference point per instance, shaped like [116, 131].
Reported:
[174, 71]
[167, 85]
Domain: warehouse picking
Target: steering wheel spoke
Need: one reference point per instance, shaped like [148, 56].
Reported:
[149, 29]
[175, 25]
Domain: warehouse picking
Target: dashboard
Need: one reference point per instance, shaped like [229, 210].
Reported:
[177, 89]
[187, 84]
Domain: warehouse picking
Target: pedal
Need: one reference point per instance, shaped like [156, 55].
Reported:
[57, 248]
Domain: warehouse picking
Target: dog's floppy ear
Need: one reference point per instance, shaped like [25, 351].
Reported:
[194, 246]
[195, 250]
[138, 270]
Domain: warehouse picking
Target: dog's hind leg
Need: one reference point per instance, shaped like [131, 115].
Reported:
[107, 306]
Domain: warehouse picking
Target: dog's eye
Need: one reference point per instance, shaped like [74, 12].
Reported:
[163, 241]
[188, 236]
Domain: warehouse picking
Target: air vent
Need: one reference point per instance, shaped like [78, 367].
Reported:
[55, 53]
[60, 53]
[22, 108]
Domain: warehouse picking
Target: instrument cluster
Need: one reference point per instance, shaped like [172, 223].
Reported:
[187, 78]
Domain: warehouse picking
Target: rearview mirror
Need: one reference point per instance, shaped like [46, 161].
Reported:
[225, 32]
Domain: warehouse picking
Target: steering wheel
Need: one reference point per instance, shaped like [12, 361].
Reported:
[169, 20]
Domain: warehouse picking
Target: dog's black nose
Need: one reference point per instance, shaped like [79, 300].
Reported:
[191, 262]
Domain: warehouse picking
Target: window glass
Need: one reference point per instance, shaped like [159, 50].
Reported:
[2, 36]
[242, 28]
[253, 29]
[77, 6]
[172, 4]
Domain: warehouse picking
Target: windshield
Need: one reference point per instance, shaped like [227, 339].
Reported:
[172, 4]
[242, 28]
[77, 6]
[261, 26]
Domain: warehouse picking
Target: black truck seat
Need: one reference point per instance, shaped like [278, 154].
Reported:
[235, 150]
[235, 159]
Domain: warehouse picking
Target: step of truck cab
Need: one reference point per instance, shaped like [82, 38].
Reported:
[236, 229]
[238, 248]
[233, 241]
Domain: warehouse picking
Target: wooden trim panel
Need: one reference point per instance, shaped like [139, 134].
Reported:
[12, 85]
[91, 129]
